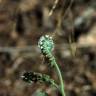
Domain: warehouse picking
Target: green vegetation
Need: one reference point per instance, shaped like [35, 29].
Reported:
[46, 45]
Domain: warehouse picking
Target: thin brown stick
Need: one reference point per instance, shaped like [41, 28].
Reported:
[53, 8]
[61, 16]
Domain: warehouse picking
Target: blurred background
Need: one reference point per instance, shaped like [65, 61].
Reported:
[73, 27]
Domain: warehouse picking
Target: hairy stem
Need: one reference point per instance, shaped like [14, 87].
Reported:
[60, 77]
[53, 62]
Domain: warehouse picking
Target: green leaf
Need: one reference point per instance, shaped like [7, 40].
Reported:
[40, 93]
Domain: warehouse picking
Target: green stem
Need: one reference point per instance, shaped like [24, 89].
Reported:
[61, 79]
[53, 61]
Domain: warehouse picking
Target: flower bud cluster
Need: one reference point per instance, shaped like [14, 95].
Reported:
[33, 77]
[46, 44]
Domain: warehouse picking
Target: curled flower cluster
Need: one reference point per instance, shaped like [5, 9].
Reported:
[46, 44]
